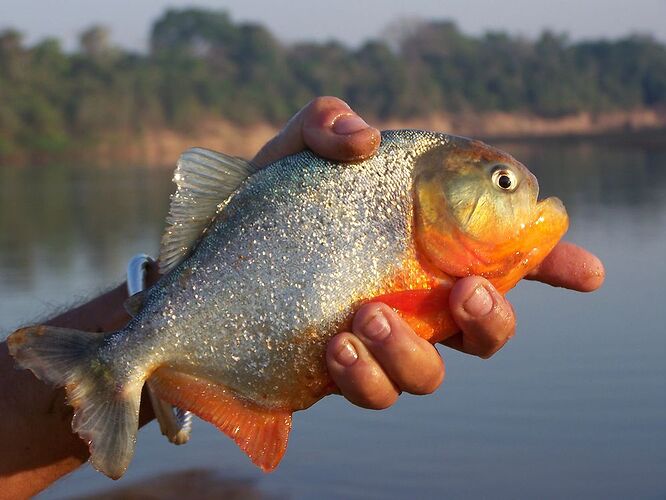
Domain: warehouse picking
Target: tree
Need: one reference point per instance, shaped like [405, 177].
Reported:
[95, 42]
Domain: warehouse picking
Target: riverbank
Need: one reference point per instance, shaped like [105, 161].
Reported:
[161, 147]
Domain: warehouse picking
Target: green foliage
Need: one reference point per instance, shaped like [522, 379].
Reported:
[202, 65]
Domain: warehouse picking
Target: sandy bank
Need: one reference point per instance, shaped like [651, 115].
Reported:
[161, 147]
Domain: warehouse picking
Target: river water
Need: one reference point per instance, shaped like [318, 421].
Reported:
[573, 406]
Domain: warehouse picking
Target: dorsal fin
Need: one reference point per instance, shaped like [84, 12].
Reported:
[205, 180]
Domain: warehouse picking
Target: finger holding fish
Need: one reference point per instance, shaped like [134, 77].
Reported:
[382, 358]
[488, 324]
[327, 126]
[486, 319]
[570, 266]
[419, 369]
[358, 375]
[371, 376]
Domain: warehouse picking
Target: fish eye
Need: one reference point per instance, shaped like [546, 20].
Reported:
[504, 178]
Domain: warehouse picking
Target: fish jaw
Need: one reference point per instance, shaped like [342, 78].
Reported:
[534, 243]
[503, 264]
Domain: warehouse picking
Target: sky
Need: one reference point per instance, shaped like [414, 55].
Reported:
[349, 21]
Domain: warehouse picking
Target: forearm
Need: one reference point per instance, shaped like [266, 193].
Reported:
[35, 422]
[105, 313]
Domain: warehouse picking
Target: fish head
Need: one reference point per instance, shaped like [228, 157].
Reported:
[477, 213]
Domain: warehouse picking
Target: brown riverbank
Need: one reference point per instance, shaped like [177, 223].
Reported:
[161, 147]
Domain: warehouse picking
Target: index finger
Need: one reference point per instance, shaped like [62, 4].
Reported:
[327, 126]
[570, 266]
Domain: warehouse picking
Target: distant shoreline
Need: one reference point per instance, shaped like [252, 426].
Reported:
[161, 147]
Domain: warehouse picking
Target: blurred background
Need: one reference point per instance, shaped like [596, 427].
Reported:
[97, 100]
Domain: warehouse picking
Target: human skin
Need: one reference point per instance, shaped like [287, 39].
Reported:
[371, 365]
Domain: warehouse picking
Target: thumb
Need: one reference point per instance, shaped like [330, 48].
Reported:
[327, 126]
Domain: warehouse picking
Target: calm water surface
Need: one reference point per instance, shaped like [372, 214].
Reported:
[575, 405]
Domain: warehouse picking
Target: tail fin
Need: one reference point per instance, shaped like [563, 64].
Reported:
[106, 411]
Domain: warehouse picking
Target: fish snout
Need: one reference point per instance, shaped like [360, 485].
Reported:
[552, 217]
[553, 203]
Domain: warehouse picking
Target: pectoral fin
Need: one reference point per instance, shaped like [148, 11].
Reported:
[426, 311]
[262, 433]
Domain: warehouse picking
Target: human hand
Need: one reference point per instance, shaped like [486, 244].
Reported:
[382, 356]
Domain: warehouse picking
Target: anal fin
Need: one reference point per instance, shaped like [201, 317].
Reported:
[262, 433]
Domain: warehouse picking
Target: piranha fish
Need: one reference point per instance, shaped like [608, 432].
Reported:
[260, 268]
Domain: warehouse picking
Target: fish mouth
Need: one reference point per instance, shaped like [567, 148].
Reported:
[552, 205]
[551, 221]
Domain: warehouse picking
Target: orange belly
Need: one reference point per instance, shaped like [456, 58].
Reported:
[420, 295]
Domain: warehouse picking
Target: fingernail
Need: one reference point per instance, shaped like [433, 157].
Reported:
[376, 328]
[479, 303]
[349, 124]
[346, 355]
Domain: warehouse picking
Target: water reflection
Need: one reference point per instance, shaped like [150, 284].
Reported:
[59, 213]
[196, 483]
[593, 174]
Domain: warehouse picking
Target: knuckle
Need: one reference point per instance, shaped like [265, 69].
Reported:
[328, 100]
[493, 344]
[325, 102]
[487, 354]
[380, 400]
[496, 329]
[426, 381]
[502, 336]
[375, 391]
[364, 383]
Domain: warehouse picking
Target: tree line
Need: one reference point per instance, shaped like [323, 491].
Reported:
[202, 65]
